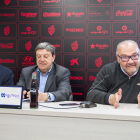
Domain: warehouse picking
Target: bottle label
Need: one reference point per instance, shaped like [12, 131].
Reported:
[34, 75]
[33, 91]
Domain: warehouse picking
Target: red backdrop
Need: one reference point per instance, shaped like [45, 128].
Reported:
[85, 34]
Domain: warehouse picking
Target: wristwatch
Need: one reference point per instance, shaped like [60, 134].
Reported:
[49, 98]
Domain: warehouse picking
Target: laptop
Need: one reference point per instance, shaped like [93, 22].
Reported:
[11, 97]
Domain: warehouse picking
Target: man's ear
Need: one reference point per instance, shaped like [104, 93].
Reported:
[118, 59]
[54, 57]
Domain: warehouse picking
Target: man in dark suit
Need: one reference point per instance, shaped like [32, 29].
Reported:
[53, 79]
[6, 76]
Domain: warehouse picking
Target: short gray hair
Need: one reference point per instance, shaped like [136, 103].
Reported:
[125, 41]
[47, 46]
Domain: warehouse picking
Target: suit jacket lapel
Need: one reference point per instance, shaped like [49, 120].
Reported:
[50, 79]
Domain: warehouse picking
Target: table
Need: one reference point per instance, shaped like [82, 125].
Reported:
[103, 122]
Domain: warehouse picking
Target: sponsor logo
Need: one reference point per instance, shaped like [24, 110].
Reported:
[7, 2]
[99, 1]
[92, 78]
[28, 14]
[74, 46]
[124, 13]
[99, 31]
[28, 29]
[28, 58]
[99, 28]
[3, 95]
[53, 1]
[95, 13]
[75, 93]
[75, 14]
[28, 45]
[10, 15]
[52, 14]
[98, 62]
[56, 45]
[6, 46]
[74, 61]
[74, 29]
[28, 61]
[99, 46]
[28, 0]
[76, 78]
[124, 30]
[7, 60]
[107, 13]
[6, 30]
[51, 30]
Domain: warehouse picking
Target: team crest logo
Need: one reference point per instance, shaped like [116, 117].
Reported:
[51, 30]
[6, 30]
[74, 46]
[98, 62]
[99, 1]
[92, 78]
[7, 2]
[28, 45]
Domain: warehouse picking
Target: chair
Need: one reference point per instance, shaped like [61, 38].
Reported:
[71, 98]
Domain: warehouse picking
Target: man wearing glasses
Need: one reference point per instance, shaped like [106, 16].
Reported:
[123, 83]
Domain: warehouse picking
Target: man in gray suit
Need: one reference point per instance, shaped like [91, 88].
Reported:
[53, 79]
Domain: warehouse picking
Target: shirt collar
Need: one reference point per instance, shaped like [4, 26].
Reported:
[45, 73]
[127, 74]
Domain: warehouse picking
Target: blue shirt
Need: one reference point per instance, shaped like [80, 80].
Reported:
[43, 80]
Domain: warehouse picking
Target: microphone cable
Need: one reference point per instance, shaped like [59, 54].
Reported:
[59, 108]
[84, 104]
[27, 101]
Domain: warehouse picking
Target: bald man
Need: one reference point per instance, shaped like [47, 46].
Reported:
[123, 83]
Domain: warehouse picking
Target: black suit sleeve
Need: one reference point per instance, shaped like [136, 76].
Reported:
[100, 93]
[8, 78]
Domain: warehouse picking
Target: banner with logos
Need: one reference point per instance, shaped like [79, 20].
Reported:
[85, 34]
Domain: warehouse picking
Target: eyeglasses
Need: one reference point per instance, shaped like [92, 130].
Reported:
[126, 58]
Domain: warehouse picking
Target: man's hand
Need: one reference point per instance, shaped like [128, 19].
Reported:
[138, 98]
[115, 98]
[24, 92]
[42, 96]
[28, 95]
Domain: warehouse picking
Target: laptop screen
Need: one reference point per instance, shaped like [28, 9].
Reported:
[11, 97]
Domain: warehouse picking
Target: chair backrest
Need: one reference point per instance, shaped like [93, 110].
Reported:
[71, 98]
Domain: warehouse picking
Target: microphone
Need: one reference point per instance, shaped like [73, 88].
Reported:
[105, 78]
[87, 104]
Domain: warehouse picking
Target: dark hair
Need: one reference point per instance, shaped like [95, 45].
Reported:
[47, 46]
